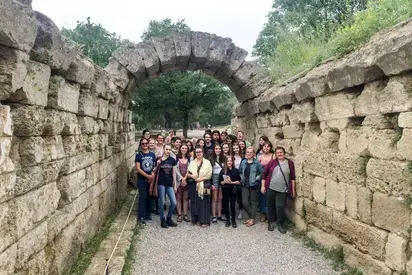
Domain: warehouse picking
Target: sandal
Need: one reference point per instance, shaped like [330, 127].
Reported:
[204, 225]
[186, 218]
[179, 218]
[246, 222]
[251, 223]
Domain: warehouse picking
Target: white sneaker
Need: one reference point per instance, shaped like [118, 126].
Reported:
[239, 217]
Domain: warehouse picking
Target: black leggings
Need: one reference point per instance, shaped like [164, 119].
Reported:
[229, 203]
[239, 197]
[275, 203]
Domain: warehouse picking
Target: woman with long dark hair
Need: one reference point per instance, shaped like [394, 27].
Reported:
[182, 195]
[217, 160]
[237, 160]
[199, 174]
[216, 137]
[230, 180]
[242, 147]
[264, 158]
[190, 148]
[251, 172]
[166, 185]
[226, 149]
[262, 141]
[145, 163]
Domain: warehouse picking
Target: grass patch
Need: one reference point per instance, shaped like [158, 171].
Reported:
[130, 257]
[409, 166]
[91, 248]
[397, 136]
[335, 255]
[294, 53]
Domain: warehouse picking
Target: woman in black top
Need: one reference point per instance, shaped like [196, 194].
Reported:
[230, 180]
[166, 184]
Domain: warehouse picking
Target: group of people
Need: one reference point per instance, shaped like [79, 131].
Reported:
[213, 173]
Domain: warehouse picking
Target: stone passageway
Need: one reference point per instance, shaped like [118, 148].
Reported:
[189, 249]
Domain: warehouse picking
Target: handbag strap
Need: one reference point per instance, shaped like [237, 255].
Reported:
[199, 167]
[280, 167]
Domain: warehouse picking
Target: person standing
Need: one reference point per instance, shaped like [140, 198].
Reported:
[199, 175]
[238, 159]
[166, 185]
[176, 143]
[190, 148]
[230, 180]
[278, 181]
[242, 147]
[223, 136]
[159, 146]
[170, 136]
[262, 140]
[216, 137]
[182, 195]
[241, 137]
[146, 135]
[226, 149]
[208, 145]
[264, 158]
[217, 160]
[145, 163]
[251, 172]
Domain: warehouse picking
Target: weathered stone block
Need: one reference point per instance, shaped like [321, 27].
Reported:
[30, 244]
[147, 52]
[404, 145]
[81, 71]
[7, 184]
[88, 125]
[54, 122]
[5, 121]
[357, 141]
[6, 164]
[302, 113]
[319, 190]
[8, 260]
[281, 118]
[297, 220]
[102, 84]
[79, 162]
[397, 96]
[380, 143]
[13, 70]
[255, 87]
[72, 186]
[285, 96]
[35, 86]
[51, 47]
[293, 131]
[103, 111]
[28, 178]
[88, 104]
[383, 209]
[388, 176]
[405, 120]
[364, 237]
[364, 262]
[319, 215]
[246, 71]
[34, 206]
[183, 46]
[364, 198]
[17, 25]
[70, 124]
[7, 225]
[38, 263]
[218, 50]
[379, 122]
[200, 47]
[351, 201]
[118, 73]
[53, 148]
[335, 106]
[292, 146]
[74, 145]
[51, 170]
[31, 151]
[129, 57]
[335, 195]
[367, 102]
[313, 84]
[166, 50]
[233, 61]
[63, 96]
[326, 240]
[396, 256]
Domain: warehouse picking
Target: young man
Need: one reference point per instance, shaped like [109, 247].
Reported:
[170, 137]
[241, 137]
[208, 144]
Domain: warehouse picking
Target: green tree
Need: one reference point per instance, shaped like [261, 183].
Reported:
[99, 43]
[179, 98]
[316, 19]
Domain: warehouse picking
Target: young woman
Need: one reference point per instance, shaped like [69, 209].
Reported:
[216, 137]
[238, 158]
[159, 146]
[278, 182]
[242, 147]
[152, 145]
[146, 135]
[168, 140]
[200, 143]
[190, 148]
[226, 149]
[223, 136]
[166, 185]
[262, 140]
[217, 160]
[199, 174]
[230, 180]
[264, 158]
[145, 163]
[182, 195]
[176, 143]
[251, 172]
[231, 139]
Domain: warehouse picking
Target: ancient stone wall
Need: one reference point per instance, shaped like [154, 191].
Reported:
[347, 124]
[66, 144]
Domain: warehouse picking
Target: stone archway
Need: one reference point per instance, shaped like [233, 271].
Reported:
[214, 55]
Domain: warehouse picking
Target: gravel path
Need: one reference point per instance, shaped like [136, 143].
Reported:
[190, 249]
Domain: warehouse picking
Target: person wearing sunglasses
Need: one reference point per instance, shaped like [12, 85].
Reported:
[145, 163]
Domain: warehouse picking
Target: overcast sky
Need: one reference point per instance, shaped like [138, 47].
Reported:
[241, 20]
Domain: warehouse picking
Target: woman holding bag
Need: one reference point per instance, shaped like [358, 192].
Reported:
[250, 172]
[199, 174]
[278, 181]
[182, 195]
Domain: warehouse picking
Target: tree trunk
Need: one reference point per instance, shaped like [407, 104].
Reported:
[185, 123]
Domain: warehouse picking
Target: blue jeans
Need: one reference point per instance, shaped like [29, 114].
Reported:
[144, 206]
[161, 189]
